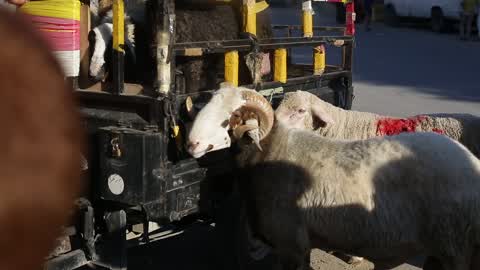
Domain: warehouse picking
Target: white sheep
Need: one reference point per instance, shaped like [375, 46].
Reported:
[302, 109]
[385, 198]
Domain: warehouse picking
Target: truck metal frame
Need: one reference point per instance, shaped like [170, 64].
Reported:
[137, 168]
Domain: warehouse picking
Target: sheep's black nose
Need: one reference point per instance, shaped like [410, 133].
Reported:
[192, 145]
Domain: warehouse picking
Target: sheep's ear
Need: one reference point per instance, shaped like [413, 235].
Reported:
[235, 120]
[319, 112]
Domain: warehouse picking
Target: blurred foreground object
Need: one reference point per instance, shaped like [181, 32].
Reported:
[41, 144]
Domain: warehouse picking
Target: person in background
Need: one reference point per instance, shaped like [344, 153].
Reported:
[478, 19]
[469, 7]
[368, 7]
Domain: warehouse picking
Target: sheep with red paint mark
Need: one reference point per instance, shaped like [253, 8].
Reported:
[376, 198]
[304, 110]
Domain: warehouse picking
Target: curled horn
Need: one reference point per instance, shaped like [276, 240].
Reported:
[256, 103]
[254, 133]
[240, 130]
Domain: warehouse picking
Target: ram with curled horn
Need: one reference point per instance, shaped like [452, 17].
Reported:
[305, 191]
[240, 111]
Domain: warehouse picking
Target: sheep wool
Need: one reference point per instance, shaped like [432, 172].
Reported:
[304, 110]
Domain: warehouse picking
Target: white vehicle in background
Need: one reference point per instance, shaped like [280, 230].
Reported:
[439, 12]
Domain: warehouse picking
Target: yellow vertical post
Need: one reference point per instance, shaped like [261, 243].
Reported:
[249, 10]
[249, 17]
[118, 25]
[118, 45]
[231, 67]
[280, 65]
[307, 18]
[319, 54]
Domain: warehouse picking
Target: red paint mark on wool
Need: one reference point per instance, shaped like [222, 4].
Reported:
[393, 126]
[437, 130]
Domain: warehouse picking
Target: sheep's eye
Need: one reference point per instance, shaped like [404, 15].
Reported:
[301, 110]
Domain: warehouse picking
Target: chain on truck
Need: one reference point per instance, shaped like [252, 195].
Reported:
[141, 180]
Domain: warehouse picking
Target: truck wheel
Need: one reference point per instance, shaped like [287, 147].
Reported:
[437, 20]
[234, 245]
[250, 254]
[390, 16]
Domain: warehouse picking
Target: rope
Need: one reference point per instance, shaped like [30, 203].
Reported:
[59, 23]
